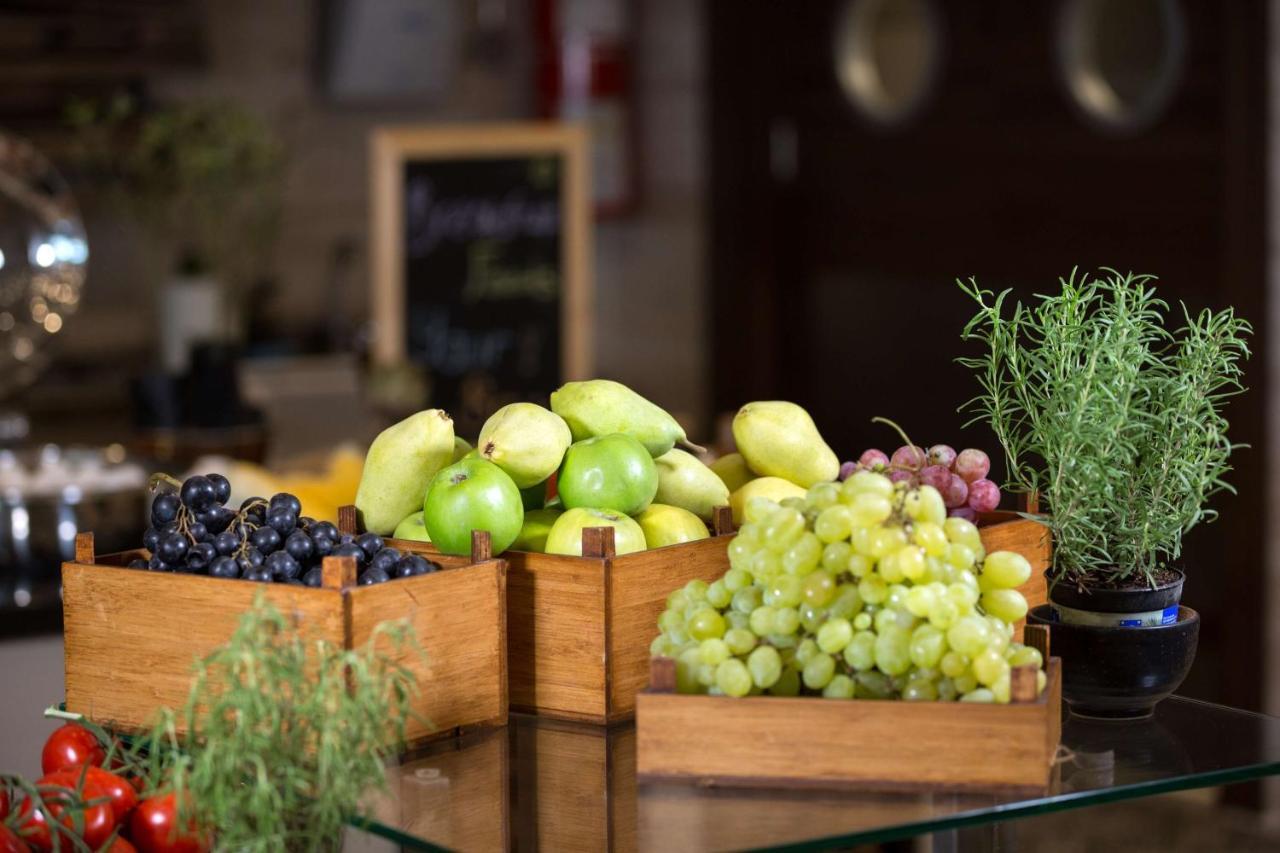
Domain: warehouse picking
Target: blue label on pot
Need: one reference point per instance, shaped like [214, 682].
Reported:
[1150, 619]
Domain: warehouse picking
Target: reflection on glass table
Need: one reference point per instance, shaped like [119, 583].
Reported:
[540, 784]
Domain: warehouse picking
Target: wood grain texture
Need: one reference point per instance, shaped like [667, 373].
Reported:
[132, 637]
[84, 547]
[638, 588]
[458, 617]
[862, 743]
[556, 635]
[168, 621]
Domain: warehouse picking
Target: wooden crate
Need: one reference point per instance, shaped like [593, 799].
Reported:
[858, 743]
[579, 628]
[132, 636]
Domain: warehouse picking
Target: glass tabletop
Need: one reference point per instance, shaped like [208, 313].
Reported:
[541, 784]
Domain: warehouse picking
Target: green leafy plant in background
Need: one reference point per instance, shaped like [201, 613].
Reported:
[204, 178]
[1112, 417]
[285, 736]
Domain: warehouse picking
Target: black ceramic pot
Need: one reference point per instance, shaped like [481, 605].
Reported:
[1100, 600]
[1120, 672]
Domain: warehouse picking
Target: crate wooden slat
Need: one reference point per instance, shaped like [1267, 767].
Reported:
[859, 743]
[166, 621]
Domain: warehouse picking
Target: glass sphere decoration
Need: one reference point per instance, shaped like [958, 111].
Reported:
[43, 260]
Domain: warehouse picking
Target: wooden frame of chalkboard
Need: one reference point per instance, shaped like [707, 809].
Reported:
[397, 151]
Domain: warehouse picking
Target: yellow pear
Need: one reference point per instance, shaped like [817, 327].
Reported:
[399, 466]
[732, 469]
[779, 439]
[602, 407]
[773, 488]
[670, 525]
[526, 441]
[683, 481]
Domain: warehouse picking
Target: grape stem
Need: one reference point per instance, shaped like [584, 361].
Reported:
[162, 482]
[903, 435]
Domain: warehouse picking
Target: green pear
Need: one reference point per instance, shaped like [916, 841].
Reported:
[526, 441]
[779, 439]
[733, 471]
[533, 533]
[412, 528]
[461, 447]
[601, 407]
[685, 482]
[670, 525]
[399, 466]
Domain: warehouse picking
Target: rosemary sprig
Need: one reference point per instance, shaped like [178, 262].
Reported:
[286, 735]
[1116, 421]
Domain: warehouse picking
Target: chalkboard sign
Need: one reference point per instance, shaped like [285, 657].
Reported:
[481, 247]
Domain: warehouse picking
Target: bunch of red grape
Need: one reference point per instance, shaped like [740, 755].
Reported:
[961, 477]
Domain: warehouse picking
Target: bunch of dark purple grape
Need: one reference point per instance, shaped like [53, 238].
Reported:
[193, 531]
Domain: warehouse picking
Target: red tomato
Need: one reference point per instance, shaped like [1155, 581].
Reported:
[70, 746]
[154, 828]
[121, 845]
[10, 842]
[98, 822]
[122, 794]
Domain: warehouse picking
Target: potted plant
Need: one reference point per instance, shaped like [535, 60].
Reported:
[1116, 421]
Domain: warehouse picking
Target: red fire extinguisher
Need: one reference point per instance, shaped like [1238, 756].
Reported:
[584, 74]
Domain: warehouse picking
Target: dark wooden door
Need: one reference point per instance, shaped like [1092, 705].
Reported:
[836, 242]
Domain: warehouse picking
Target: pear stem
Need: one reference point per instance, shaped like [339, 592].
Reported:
[689, 445]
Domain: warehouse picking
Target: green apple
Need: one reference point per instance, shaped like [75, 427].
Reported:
[609, 472]
[472, 494]
[413, 528]
[537, 525]
[670, 525]
[566, 534]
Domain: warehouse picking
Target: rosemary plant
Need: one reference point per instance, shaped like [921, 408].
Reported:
[286, 737]
[1113, 418]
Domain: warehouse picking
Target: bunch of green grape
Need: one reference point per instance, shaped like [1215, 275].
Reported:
[862, 589]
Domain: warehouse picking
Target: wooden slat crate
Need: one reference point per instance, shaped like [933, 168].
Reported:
[857, 743]
[579, 628]
[132, 636]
